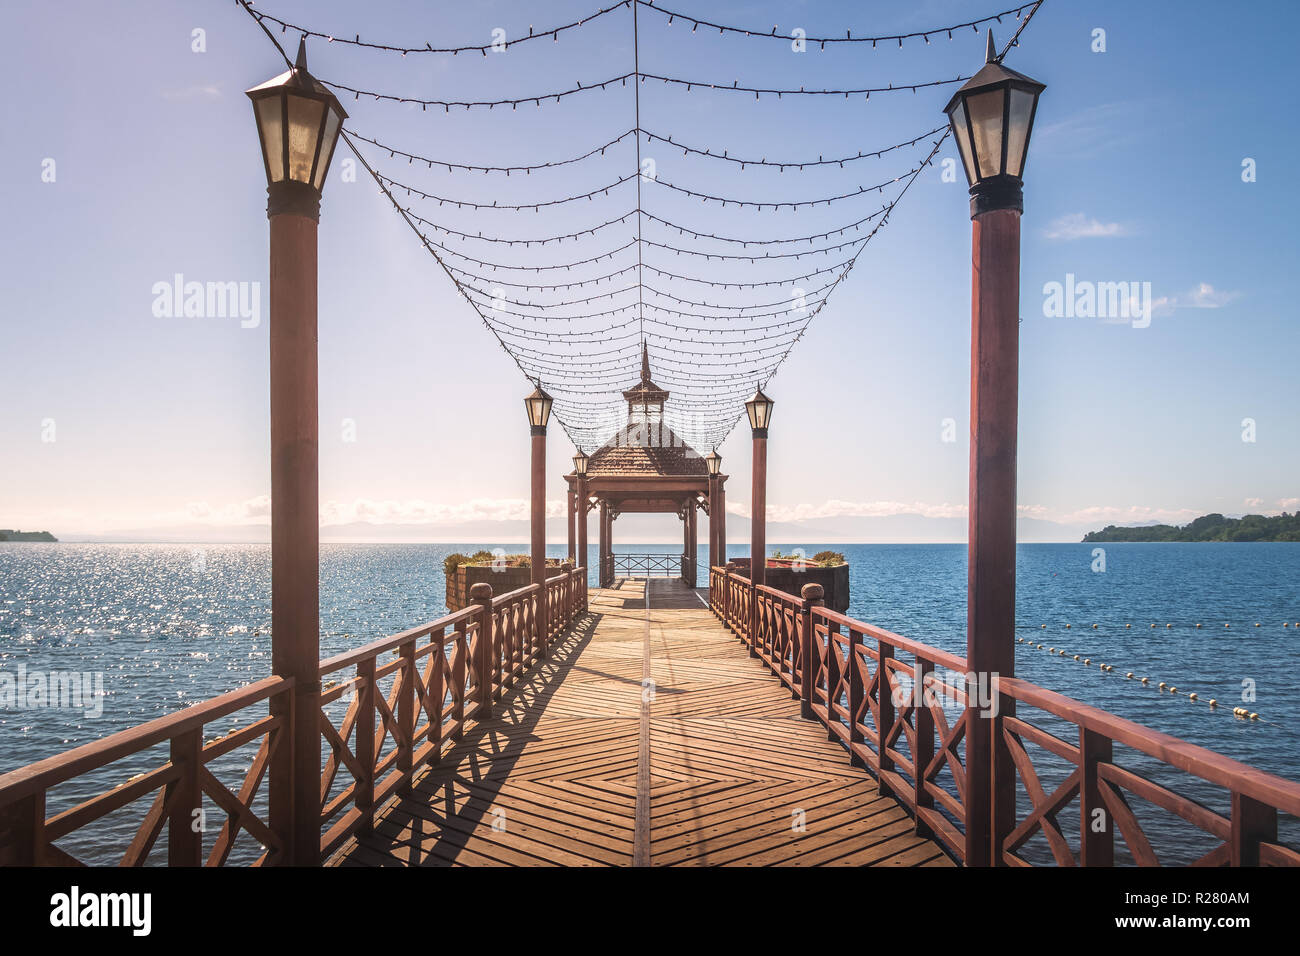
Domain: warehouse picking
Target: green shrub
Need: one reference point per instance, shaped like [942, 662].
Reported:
[829, 559]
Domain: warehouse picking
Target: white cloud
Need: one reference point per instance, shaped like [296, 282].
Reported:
[1079, 226]
[1201, 296]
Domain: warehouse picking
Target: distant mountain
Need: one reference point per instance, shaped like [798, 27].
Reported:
[1212, 527]
[7, 534]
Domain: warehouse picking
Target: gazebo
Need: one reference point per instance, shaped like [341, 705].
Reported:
[645, 468]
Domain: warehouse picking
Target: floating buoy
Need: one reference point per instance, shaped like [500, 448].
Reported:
[1129, 675]
[1076, 657]
[1254, 716]
[1094, 627]
[1257, 623]
[1068, 626]
[1128, 625]
[1153, 625]
[1146, 680]
[1173, 690]
[1198, 625]
[1087, 662]
[1170, 625]
[1213, 702]
[1161, 685]
[1227, 625]
[1045, 626]
[1192, 696]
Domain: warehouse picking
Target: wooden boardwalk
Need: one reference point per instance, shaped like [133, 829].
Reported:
[649, 738]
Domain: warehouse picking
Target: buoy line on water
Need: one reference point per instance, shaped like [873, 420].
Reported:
[1242, 713]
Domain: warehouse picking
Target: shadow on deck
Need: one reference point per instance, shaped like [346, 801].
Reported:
[650, 737]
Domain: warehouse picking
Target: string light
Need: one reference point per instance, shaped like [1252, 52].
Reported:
[579, 328]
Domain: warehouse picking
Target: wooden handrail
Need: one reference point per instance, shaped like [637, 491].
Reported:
[414, 712]
[836, 688]
[52, 771]
[1198, 761]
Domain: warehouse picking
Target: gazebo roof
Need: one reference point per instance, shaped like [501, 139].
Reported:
[645, 447]
[633, 452]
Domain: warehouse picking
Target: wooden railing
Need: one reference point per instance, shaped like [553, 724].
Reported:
[902, 712]
[647, 565]
[401, 713]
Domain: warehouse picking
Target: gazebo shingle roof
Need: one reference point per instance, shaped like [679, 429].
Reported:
[646, 446]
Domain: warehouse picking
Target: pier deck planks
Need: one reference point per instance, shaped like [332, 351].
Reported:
[712, 768]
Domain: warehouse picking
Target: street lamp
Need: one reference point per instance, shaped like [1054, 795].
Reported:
[580, 462]
[538, 406]
[760, 413]
[992, 117]
[298, 124]
[759, 409]
[713, 461]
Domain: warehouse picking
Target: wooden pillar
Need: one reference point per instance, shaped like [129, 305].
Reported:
[603, 573]
[758, 511]
[538, 553]
[581, 557]
[294, 785]
[571, 497]
[722, 520]
[713, 524]
[991, 581]
[686, 540]
[692, 542]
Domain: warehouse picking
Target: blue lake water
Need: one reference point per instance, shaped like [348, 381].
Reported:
[170, 625]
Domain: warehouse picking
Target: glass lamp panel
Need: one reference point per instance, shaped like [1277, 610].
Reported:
[960, 132]
[986, 123]
[327, 149]
[304, 128]
[1021, 114]
[270, 124]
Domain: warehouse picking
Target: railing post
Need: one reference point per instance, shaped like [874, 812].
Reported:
[184, 829]
[923, 720]
[884, 708]
[406, 717]
[751, 623]
[1096, 827]
[364, 794]
[566, 590]
[813, 596]
[22, 826]
[1252, 823]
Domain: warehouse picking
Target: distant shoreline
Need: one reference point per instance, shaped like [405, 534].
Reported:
[1208, 528]
[8, 534]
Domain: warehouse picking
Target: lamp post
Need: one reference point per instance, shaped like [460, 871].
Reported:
[760, 414]
[580, 462]
[992, 117]
[538, 406]
[298, 123]
[713, 461]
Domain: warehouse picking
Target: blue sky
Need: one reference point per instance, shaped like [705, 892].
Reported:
[159, 425]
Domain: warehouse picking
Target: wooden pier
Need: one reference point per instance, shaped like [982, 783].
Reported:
[650, 737]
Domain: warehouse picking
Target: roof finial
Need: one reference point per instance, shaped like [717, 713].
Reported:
[990, 52]
[301, 63]
[645, 362]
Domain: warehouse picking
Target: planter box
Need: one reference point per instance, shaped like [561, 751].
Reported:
[785, 576]
[503, 581]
